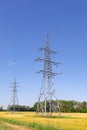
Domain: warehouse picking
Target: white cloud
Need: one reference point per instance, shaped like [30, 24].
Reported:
[12, 63]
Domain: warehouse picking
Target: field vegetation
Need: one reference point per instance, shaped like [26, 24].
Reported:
[4, 126]
[29, 120]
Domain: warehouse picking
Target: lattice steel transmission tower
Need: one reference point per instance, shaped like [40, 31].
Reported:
[14, 98]
[47, 101]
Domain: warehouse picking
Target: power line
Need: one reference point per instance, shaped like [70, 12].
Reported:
[14, 98]
[47, 101]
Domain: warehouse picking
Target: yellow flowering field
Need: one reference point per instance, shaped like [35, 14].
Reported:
[67, 121]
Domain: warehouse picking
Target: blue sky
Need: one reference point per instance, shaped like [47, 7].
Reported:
[24, 25]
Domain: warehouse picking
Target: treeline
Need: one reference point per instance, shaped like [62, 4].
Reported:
[73, 106]
[69, 106]
[65, 106]
[19, 108]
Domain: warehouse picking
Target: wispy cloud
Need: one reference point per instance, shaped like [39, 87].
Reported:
[12, 63]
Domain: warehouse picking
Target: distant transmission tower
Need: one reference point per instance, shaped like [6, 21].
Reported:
[14, 98]
[47, 101]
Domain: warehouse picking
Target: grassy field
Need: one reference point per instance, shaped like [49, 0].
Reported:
[4, 127]
[29, 121]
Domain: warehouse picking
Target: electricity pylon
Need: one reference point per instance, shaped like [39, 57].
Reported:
[14, 98]
[47, 101]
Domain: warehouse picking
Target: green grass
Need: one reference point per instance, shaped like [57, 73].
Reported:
[4, 127]
[34, 125]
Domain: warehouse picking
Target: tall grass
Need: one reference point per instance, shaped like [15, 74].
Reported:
[34, 125]
[68, 121]
[4, 127]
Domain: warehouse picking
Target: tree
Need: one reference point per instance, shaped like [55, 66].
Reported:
[1, 108]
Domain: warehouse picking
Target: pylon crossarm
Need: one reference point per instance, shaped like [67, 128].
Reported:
[47, 92]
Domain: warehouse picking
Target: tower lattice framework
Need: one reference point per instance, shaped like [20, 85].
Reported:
[14, 98]
[47, 101]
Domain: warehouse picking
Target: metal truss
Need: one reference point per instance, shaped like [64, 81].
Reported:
[14, 98]
[47, 101]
